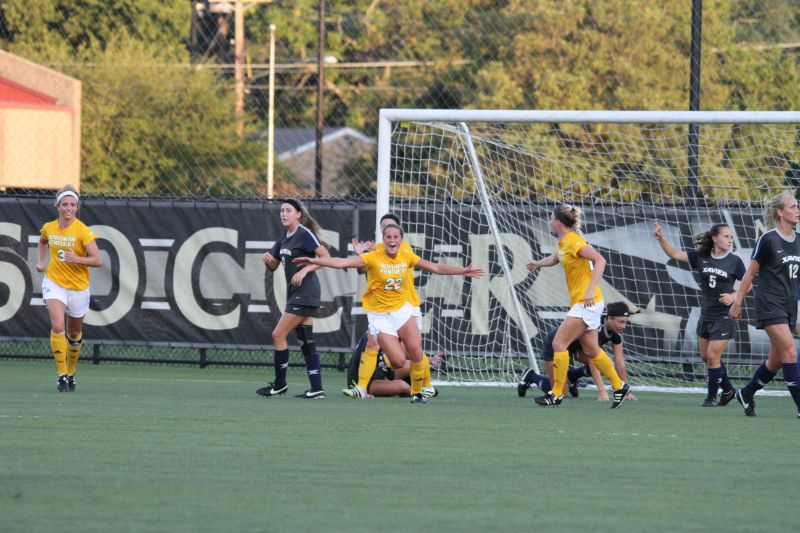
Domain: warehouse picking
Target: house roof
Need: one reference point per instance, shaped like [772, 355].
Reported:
[292, 141]
[15, 93]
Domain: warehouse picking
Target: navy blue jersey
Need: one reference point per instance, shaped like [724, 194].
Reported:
[717, 277]
[301, 243]
[778, 274]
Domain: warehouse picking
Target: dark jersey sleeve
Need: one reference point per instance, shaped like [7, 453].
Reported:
[740, 270]
[763, 250]
[309, 243]
[276, 249]
[693, 256]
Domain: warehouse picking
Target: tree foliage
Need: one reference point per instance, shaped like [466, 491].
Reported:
[501, 54]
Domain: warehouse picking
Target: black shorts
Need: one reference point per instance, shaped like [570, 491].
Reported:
[547, 346]
[771, 321]
[301, 310]
[721, 329]
[776, 315]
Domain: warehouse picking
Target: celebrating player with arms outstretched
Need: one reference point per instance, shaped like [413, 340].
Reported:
[391, 317]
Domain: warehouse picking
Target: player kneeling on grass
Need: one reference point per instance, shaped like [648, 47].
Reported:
[386, 381]
[391, 317]
[612, 323]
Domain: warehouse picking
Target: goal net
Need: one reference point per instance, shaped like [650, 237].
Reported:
[478, 187]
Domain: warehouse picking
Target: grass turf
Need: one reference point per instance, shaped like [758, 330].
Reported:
[155, 448]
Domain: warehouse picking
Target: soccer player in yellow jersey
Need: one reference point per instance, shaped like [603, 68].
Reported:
[369, 358]
[583, 267]
[65, 288]
[392, 318]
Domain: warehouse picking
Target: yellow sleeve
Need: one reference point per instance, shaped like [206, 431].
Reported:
[368, 258]
[87, 235]
[574, 244]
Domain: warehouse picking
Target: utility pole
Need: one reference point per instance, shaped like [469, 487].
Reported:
[320, 102]
[271, 116]
[238, 55]
[694, 97]
[238, 7]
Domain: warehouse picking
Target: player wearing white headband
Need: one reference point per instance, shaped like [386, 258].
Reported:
[65, 287]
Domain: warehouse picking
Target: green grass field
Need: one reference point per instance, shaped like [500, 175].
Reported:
[156, 448]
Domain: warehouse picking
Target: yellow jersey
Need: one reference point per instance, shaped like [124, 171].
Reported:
[411, 291]
[577, 269]
[387, 279]
[75, 237]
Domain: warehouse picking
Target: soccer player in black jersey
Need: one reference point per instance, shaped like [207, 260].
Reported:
[300, 238]
[612, 323]
[776, 262]
[718, 269]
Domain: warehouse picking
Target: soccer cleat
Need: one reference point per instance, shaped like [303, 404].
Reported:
[272, 390]
[548, 400]
[620, 394]
[709, 402]
[749, 407]
[524, 384]
[354, 393]
[573, 389]
[311, 395]
[429, 392]
[726, 397]
[71, 383]
[62, 384]
[418, 398]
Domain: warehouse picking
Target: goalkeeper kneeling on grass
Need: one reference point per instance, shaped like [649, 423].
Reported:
[612, 323]
[385, 381]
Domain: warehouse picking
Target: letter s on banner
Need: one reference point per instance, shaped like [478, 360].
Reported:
[182, 283]
[128, 278]
[12, 277]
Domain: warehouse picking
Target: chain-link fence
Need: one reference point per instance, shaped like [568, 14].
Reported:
[176, 95]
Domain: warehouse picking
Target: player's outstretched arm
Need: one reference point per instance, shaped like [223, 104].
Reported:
[449, 270]
[331, 262]
[533, 264]
[670, 250]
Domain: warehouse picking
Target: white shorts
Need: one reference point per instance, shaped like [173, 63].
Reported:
[393, 320]
[590, 315]
[76, 302]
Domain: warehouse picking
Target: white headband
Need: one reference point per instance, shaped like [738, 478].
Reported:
[65, 193]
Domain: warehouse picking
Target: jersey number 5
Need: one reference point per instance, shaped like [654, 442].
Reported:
[393, 284]
[712, 281]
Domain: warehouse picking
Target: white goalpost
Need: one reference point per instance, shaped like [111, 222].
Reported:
[478, 187]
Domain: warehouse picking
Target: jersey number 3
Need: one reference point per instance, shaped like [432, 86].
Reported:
[393, 284]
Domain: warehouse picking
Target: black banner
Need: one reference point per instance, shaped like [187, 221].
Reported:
[183, 272]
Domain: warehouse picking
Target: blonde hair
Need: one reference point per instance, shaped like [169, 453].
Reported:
[771, 208]
[569, 215]
[69, 190]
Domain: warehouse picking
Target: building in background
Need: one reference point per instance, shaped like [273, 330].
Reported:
[40, 126]
[294, 149]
